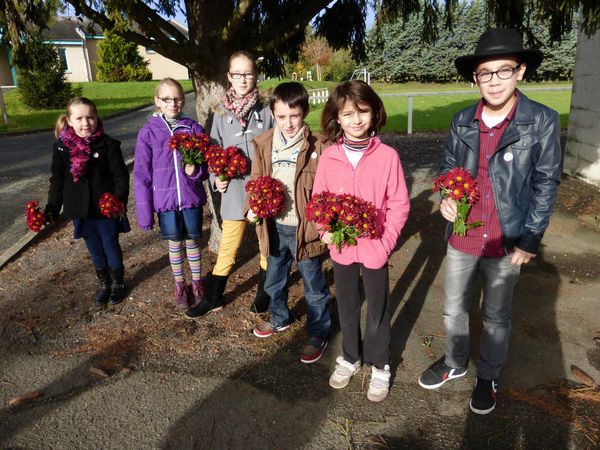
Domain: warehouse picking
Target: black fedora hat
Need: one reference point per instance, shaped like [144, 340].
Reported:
[498, 42]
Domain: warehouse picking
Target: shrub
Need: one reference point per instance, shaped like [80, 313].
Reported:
[341, 65]
[41, 77]
[120, 60]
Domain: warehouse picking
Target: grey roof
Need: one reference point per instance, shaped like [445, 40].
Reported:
[64, 29]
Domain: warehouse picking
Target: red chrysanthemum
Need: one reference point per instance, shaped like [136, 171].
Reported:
[460, 186]
[191, 147]
[111, 206]
[346, 216]
[36, 219]
[266, 197]
[226, 163]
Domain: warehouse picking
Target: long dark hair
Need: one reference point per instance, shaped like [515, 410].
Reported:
[357, 92]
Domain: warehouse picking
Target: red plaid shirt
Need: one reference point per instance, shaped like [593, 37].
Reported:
[486, 240]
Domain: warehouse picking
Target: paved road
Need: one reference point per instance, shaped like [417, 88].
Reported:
[25, 168]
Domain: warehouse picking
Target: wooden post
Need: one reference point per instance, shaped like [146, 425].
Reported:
[410, 111]
[3, 107]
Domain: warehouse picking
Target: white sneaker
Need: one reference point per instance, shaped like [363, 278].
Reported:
[379, 386]
[343, 372]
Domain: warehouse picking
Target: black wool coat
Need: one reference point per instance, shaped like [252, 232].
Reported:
[105, 172]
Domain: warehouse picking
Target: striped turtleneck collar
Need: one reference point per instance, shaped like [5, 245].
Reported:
[355, 145]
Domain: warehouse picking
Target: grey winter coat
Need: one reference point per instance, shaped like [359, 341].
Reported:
[226, 131]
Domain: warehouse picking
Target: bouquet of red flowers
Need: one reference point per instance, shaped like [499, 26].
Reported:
[346, 216]
[111, 206]
[265, 197]
[226, 163]
[36, 219]
[459, 185]
[191, 147]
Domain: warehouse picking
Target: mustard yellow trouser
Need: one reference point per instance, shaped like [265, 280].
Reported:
[231, 240]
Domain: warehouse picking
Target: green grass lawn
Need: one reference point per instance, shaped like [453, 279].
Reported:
[429, 113]
[110, 98]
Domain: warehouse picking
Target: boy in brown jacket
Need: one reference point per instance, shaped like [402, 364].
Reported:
[290, 153]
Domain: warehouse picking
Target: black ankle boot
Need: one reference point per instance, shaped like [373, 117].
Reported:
[261, 301]
[213, 297]
[103, 292]
[117, 289]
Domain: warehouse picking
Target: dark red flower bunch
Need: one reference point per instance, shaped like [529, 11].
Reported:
[36, 219]
[111, 206]
[346, 216]
[460, 186]
[226, 163]
[190, 146]
[266, 197]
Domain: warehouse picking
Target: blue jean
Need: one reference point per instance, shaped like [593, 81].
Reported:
[282, 250]
[499, 279]
[105, 251]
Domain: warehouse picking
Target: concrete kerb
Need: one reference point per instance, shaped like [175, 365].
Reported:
[30, 237]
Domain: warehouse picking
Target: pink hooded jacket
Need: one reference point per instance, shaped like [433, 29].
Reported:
[378, 178]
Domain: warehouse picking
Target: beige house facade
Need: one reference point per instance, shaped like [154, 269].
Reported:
[77, 41]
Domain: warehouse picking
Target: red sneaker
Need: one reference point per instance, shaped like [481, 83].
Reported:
[313, 350]
[265, 329]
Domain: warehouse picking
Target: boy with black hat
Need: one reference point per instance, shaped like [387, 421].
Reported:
[511, 146]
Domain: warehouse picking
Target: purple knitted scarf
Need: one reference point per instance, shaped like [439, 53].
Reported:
[80, 150]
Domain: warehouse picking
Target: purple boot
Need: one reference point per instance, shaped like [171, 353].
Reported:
[181, 295]
[197, 291]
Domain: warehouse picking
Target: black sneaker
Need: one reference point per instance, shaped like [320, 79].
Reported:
[438, 373]
[483, 400]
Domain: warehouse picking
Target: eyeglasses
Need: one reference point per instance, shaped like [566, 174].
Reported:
[245, 76]
[503, 74]
[169, 100]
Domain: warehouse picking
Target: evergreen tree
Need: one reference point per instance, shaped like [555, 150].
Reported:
[120, 60]
[41, 75]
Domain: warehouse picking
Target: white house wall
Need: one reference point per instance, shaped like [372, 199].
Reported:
[77, 70]
[162, 67]
[582, 155]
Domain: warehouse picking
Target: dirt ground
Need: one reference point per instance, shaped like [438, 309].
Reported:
[142, 376]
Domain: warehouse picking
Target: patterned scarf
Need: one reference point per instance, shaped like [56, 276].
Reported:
[80, 150]
[241, 106]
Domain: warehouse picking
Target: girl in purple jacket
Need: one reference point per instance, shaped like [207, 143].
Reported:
[173, 192]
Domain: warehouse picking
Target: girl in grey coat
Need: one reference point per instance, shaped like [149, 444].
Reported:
[240, 119]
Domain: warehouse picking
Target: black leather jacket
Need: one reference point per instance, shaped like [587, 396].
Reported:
[525, 169]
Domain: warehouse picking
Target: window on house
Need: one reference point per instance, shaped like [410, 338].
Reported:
[62, 55]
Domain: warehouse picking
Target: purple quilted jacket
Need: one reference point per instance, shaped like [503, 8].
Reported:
[160, 183]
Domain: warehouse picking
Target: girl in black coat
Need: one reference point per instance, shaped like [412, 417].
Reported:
[86, 163]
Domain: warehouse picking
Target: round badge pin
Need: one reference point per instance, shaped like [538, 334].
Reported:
[95, 155]
[508, 157]
[313, 155]
[229, 120]
[259, 125]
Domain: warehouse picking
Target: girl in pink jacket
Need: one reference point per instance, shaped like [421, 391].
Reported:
[360, 164]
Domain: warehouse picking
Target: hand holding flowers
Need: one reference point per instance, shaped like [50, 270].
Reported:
[345, 216]
[191, 147]
[458, 185]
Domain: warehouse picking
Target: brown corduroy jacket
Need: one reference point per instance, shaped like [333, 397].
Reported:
[308, 243]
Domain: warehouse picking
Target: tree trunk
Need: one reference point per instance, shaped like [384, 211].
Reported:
[209, 94]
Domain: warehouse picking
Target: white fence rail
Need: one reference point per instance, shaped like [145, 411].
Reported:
[318, 95]
[410, 96]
